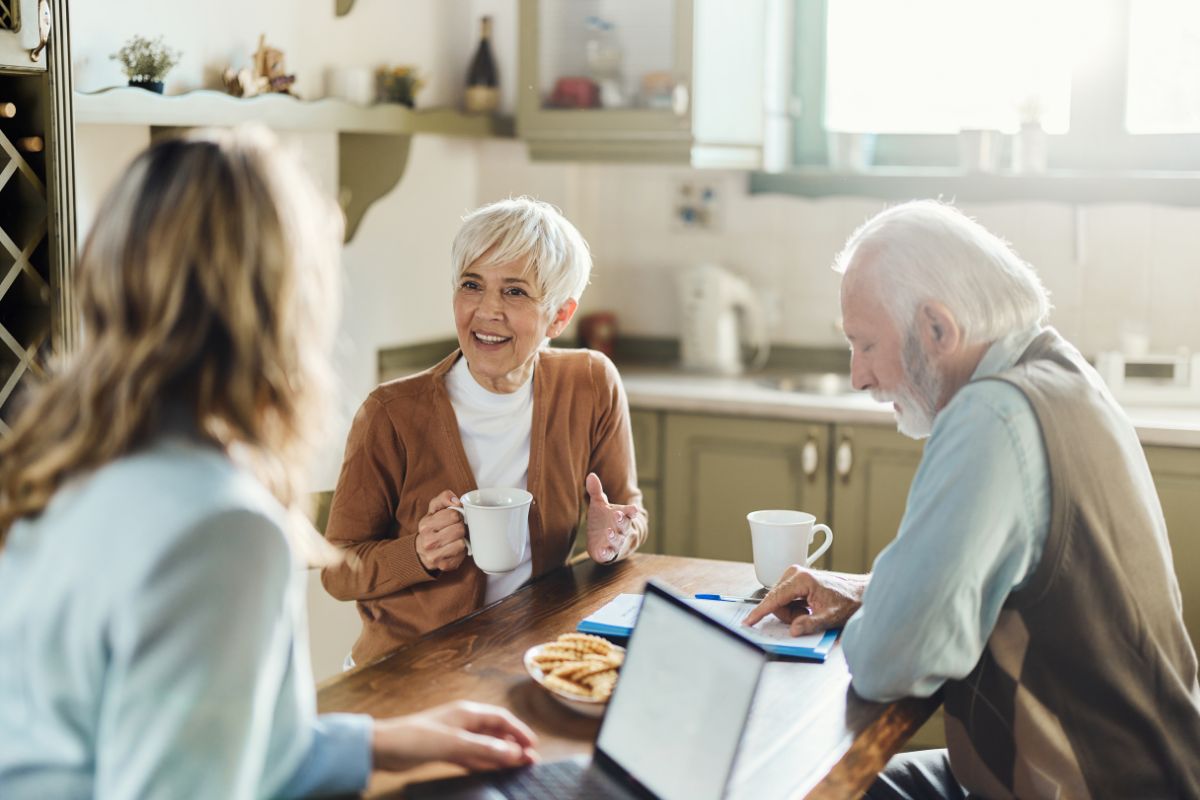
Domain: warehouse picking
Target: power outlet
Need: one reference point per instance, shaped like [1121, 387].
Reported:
[696, 206]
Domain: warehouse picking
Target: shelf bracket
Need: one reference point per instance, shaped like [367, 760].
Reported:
[369, 166]
[342, 7]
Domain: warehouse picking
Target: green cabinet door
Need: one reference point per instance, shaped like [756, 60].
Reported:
[653, 543]
[717, 469]
[873, 467]
[1176, 472]
[647, 447]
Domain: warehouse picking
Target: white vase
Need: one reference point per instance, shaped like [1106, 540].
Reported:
[1029, 149]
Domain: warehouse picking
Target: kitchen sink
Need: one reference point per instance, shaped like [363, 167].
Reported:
[829, 384]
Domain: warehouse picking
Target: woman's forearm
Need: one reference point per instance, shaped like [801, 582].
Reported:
[375, 568]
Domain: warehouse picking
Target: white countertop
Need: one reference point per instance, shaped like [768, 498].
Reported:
[749, 395]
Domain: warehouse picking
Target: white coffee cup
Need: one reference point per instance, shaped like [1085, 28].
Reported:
[782, 538]
[497, 527]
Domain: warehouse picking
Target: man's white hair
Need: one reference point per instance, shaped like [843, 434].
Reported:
[927, 250]
[530, 232]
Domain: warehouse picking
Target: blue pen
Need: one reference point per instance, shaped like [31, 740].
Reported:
[728, 598]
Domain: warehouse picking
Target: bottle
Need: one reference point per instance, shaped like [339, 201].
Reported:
[483, 96]
[8, 110]
[604, 59]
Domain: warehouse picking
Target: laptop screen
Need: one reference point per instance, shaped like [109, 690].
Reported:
[679, 709]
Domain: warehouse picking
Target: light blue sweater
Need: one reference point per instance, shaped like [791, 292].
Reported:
[973, 531]
[152, 643]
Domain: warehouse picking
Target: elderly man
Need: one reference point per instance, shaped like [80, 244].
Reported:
[1031, 576]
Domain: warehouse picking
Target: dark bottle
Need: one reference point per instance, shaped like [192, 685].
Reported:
[483, 96]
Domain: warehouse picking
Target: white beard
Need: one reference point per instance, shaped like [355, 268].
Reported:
[916, 399]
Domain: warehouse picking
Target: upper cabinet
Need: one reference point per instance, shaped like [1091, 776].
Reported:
[24, 25]
[667, 81]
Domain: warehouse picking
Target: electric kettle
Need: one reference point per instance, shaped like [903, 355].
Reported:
[719, 310]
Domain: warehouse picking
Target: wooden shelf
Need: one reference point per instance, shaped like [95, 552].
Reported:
[373, 141]
[127, 105]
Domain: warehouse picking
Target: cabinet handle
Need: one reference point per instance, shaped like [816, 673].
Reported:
[680, 100]
[844, 459]
[45, 23]
[810, 458]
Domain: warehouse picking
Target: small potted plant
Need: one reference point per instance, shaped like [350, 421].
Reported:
[146, 62]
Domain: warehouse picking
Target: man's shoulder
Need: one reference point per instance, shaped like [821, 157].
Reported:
[990, 397]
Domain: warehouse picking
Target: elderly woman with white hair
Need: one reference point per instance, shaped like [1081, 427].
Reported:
[502, 410]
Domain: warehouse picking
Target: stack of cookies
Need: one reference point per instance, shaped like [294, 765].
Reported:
[580, 665]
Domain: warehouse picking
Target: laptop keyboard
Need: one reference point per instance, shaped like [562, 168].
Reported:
[558, 780]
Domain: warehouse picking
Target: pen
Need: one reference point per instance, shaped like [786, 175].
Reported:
[729, 598]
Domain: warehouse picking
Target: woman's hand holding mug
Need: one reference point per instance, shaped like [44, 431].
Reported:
[442, 535]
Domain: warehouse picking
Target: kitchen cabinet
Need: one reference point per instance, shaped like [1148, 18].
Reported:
[1176, 472]
[20, 34]
[717, 469]
[647, 448]
[872, 468]
[668, 81]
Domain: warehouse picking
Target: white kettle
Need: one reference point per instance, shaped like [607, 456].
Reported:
[719, 308]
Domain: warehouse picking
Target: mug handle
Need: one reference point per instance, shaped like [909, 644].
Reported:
[467, 539]
[824, 545]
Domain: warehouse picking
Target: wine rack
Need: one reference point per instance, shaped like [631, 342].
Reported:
[26, 298]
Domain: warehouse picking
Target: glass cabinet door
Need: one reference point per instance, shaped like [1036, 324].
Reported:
[19, 34]
[610, 65]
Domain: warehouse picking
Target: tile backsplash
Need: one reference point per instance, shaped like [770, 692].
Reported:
[1110, 268]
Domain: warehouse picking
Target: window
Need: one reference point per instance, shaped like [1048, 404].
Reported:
[940, 66]
[1164, 67]
[1116, 83]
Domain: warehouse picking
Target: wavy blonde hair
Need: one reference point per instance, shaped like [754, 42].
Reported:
[208, 286]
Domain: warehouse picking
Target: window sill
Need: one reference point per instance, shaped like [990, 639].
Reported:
[1056, 186]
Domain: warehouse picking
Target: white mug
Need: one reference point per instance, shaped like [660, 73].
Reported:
[782, 538]
[497, 527]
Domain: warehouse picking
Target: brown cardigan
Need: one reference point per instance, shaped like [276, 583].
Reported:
[404, 449]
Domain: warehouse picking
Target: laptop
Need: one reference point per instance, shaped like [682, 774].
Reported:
[673, 726]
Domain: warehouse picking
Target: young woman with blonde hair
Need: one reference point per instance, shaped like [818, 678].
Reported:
[152, 638]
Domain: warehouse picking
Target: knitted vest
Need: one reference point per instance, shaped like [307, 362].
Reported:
[1087, 686]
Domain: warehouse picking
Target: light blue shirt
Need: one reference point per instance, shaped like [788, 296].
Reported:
[974, 527]
[152, 643]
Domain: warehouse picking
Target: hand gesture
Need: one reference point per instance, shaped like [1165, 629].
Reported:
[472, 735]
[442, 535]
[607, 524]
[809, 600]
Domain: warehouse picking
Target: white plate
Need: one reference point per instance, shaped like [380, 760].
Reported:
[580, 705]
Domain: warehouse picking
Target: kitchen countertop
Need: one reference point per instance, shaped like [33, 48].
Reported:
[752, 395]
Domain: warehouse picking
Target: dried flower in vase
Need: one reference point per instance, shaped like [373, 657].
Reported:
[266, 75]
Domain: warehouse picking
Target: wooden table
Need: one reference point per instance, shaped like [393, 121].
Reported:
[809, 732]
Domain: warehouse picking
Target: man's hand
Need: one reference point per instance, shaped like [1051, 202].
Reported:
[607, 524]
[472, 735]
[442, 535]
[810, 600]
